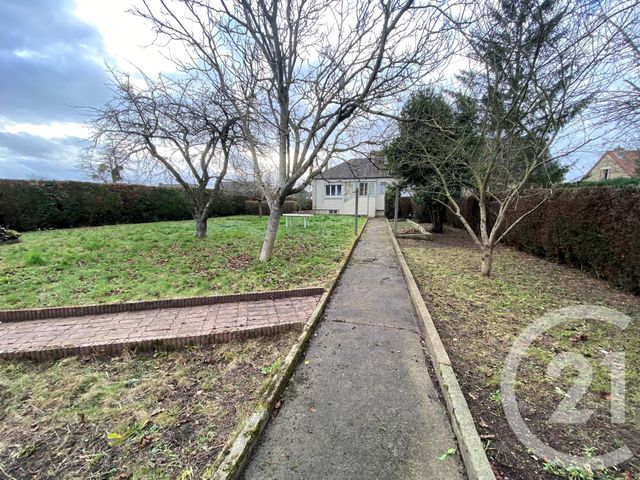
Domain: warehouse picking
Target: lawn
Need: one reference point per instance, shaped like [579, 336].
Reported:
[161, 415]
[160, 260]
[479, 319]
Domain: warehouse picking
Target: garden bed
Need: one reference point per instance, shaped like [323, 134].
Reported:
[163, 260]
[479, 319]
[140, 415]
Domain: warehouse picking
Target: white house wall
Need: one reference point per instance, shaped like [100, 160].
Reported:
[345, 204]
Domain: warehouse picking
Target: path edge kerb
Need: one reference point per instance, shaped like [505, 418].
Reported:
[473, 454]
[7, 316]
[231, 462]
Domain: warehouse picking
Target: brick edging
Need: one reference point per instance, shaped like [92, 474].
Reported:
[473, 454]
[231, 461]
[168, 343]
[106, 308]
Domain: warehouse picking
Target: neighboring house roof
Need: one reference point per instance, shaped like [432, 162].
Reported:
[627, 160]
[374, 167]
[240, 186]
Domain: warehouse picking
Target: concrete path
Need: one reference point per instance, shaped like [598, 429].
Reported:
[56, 337]
[364, 406]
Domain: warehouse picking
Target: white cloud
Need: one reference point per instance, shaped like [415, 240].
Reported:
[128, 39]
[49, 131]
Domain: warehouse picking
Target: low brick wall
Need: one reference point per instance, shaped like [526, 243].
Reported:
[77, 311]
[111, 333]
[147, 345]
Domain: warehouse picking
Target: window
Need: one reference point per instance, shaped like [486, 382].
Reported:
[382, 188]
[333, 190]
[605, 173]
[363, 189]
[333, 212]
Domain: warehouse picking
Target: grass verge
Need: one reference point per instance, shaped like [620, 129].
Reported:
[480, 318]
[140, 415]
[160, 260]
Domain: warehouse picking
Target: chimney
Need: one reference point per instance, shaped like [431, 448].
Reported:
[377, 155]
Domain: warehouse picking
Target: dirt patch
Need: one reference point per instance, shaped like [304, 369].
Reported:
[480, 318]
[239, 261]
[140, 415]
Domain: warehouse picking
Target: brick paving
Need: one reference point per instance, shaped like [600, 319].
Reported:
[112, 333]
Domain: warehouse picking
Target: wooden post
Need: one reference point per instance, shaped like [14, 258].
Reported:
[396, 205]
[356, 212]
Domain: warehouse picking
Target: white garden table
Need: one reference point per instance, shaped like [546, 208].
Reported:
[288, 218]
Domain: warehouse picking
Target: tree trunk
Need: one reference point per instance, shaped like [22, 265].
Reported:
[260, 208]
[201, 227]
[272, 230]
[437, 219]
[487, 259]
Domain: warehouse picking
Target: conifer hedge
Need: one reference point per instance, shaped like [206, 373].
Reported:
[31, 205]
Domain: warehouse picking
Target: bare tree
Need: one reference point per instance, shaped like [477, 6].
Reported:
[620, 104]
[182, 125]
[534, 68]
[303, 74]
[106, 163]
[244, 181]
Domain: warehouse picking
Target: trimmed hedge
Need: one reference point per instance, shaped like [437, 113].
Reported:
[30, 205]
[405, 206]
[470, 209]
[251, 207]
[595, 229]
[612, 182]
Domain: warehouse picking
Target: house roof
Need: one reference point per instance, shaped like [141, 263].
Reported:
[374, 167]
[627, 160]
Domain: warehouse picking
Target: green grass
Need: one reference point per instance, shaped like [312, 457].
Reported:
[161, 260]
[161, 415]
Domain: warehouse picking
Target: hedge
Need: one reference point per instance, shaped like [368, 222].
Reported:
[30, 205]
[596, 229]
[470, 209]
[612, 182]
[251, 207]
[405, 206]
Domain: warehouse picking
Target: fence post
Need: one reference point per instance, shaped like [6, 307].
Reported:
[395, 211]
[356, 212]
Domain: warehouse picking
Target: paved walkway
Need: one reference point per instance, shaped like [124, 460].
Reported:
[364, 407]
[56, 337]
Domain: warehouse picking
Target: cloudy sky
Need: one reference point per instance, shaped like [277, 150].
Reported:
[52, 67]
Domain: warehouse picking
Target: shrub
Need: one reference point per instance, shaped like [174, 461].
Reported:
[596, 229]
[251, 207]
[421, 212]
[303, 200]
[289, 206]
[30, 205]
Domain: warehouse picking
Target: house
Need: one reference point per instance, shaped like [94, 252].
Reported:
[334, 189]
[618, 163]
